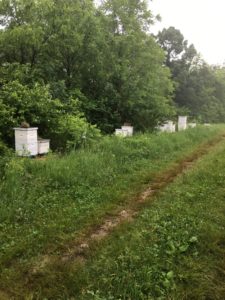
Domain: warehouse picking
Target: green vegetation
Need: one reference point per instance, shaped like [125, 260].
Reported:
[78, 70]
[47, 202]
[199, 88]
[55, 53]
[67, 66]
[62, 122]
[173, 250]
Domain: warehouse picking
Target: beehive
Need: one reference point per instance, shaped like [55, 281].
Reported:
[121, 132]
[43, 146]
[192, 125]
[167, 127]
[182, 123]
[26, 141]
[128, 129]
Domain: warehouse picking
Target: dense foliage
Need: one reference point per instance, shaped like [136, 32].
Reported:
[200, 88]
[74, 63]
[55, 51]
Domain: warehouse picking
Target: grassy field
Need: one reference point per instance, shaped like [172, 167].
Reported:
[175, 249]
[46, 203]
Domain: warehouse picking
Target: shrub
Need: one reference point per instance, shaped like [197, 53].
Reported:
[61, 122]
[73, 132]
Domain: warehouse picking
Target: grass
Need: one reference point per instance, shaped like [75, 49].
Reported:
[175, 249]
[45, 203]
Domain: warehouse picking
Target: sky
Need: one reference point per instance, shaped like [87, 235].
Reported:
[202, 22]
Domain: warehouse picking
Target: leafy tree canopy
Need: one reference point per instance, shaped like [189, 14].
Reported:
[104, 57]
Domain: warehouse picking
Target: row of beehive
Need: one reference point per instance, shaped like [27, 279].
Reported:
[182, 124]
[28, 144]
[168, 126]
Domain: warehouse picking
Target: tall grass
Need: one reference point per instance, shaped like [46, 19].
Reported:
[46, 202]
[174, 250]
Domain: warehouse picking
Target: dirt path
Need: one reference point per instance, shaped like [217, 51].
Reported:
[78, 249]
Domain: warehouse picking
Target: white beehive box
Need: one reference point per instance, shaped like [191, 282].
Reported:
[43, 146]
[173, 128]
[26, 141]
[168, 127]
[161, 128]
[121, 132]
[192, 125]
[128, 129]
[182, 123]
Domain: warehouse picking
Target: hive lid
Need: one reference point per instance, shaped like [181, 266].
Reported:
[25, 129]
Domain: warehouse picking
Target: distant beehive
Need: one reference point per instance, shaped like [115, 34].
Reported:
[128, 129]
[168, 126]
[182, 123]
[125, 130]
[192, 125]
[120, 132]
[26, 141]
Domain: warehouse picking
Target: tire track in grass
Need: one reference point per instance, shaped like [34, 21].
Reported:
[79, 248]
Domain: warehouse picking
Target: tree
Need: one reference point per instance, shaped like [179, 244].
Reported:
[199, 88]
[139, 83]
[173, 43]
[103, 57]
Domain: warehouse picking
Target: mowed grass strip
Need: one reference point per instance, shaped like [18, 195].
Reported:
[46, 203]
[175, 249]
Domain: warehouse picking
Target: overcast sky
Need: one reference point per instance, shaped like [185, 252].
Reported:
[202, 22]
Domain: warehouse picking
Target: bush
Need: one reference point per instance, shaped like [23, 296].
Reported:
[73, 132]
[61, 122]
[20, 103]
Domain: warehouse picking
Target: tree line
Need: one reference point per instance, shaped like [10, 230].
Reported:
[74, 70]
